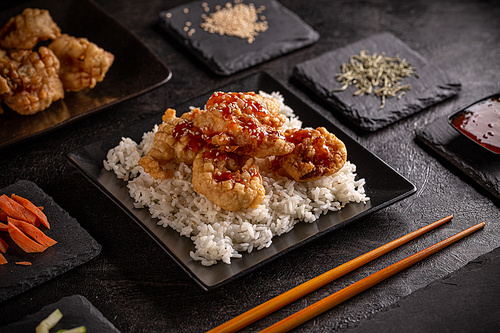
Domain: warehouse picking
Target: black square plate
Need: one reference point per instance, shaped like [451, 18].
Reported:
[383, 185]
[83, 18]
[226, 55]
[74, 245]
[432, 86]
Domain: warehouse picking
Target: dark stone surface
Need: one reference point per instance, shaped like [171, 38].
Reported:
[74, 246]
[431, 87]
[76, 310]
[140, 289]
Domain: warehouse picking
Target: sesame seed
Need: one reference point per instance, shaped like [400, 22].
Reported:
[185, 10]
[168, 15]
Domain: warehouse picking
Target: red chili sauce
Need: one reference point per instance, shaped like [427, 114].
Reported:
[194, 134]
[322, 155]
[481, 123]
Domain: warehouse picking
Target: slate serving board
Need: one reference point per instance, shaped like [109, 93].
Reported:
[74, 246]
[478, 163]
[226, 55]
[432, 86]
[77, 311]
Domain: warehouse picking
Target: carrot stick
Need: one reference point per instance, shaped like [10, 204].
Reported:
[23, 241]
[32, 232]
[23, 263]
[3, 246]
[3, 215]
[32, 208]
[15, 210]
[2, 260]
[3, 227]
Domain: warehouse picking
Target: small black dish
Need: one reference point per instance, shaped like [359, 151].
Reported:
[479, 122]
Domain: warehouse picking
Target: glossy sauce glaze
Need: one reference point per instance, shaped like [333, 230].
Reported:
[215, 155]
[322, 154]
[481, 123]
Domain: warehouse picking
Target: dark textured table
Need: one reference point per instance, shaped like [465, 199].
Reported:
[140, 289]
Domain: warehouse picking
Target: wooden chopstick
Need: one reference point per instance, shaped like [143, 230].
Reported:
[305, 288]
[344, 294]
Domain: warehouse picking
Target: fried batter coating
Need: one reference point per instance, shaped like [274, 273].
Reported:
[83, 63]
[219, 176]
[177, 140]
[154, 168]
[32, 80]
[25, 30]
[244, 122]
[317, 153]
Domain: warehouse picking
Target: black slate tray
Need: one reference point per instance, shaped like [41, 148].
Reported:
[226, 55]
[468, 298]
[432, 87]
[83, 18]
[384, 186]
[478, 163]
[77, 311]
[74, 246]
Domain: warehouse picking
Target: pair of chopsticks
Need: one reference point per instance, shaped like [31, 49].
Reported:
[342, 295]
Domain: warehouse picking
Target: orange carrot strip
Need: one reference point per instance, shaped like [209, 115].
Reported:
[32, 231]
[3, 215]
[15, 210]
[32, 208]
[24, 263]
[2, 260]
[3, 246]
[3, 227]
[24, 242]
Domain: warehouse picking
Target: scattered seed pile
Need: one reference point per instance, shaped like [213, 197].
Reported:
[238, 20]
[368, 72]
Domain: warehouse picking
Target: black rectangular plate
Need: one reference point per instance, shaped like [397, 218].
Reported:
[226, 55]
[384, 186]
[74, 245]
[432, 86]
[77, 311]
[83, 18]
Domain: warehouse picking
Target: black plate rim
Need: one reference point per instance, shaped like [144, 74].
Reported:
[72, 158]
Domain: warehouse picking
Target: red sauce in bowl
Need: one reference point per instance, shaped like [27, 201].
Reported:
[481, 123]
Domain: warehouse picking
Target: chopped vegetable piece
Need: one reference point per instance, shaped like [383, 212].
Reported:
[32, 231]
[49, 322]
[80, 329]
[3, 215]
[3, 246]
[23, 263]
[2, 260]
[32, 208]
[23, 241]
[17, 211]
[3, 227]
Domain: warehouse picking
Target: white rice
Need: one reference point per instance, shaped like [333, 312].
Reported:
[219, 234]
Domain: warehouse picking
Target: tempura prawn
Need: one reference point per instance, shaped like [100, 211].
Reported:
[230, 181]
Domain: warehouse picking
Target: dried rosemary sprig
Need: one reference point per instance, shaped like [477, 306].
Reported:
[369, 72]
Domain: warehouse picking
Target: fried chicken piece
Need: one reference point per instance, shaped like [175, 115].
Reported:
[154, 168]
[177, 140]
[230, 181]
[247, 123]
[25, 30]
[32, 80]
[83, 63]
[317, 153]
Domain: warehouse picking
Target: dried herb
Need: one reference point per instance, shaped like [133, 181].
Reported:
[367, 72]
